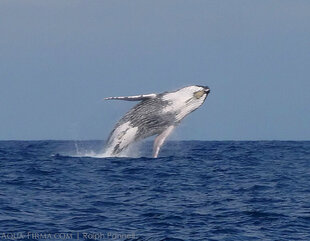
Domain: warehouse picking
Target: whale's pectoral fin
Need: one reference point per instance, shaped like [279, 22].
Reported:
[132, 98]
[160, 139]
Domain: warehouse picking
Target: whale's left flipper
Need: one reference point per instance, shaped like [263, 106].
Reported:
[132, 98]
[160, 139]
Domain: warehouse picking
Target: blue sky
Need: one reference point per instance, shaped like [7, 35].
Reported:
[58, 59]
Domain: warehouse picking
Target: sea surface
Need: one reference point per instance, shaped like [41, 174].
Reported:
[195, 190]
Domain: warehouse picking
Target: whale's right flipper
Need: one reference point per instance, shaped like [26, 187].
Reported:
[160, 139]
[132, 98]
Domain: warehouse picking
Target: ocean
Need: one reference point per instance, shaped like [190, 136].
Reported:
[195, 190]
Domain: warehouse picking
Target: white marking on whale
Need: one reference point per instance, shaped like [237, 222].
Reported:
[122, 137]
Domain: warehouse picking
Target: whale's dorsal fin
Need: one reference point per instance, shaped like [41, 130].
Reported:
[132, 98]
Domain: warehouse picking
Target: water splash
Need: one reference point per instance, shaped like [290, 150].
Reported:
[133, 151]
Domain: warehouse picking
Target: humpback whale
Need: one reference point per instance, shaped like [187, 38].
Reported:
[155, 114]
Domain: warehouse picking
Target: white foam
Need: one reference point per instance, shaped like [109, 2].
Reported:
[132, 151]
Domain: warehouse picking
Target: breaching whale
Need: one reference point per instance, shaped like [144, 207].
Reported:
[156, 114]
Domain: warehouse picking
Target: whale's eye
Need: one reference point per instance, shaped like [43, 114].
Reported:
[199, 94]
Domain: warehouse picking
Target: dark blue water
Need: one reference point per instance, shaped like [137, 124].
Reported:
[194, 191]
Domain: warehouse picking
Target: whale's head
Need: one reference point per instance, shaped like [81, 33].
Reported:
[185, 100]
